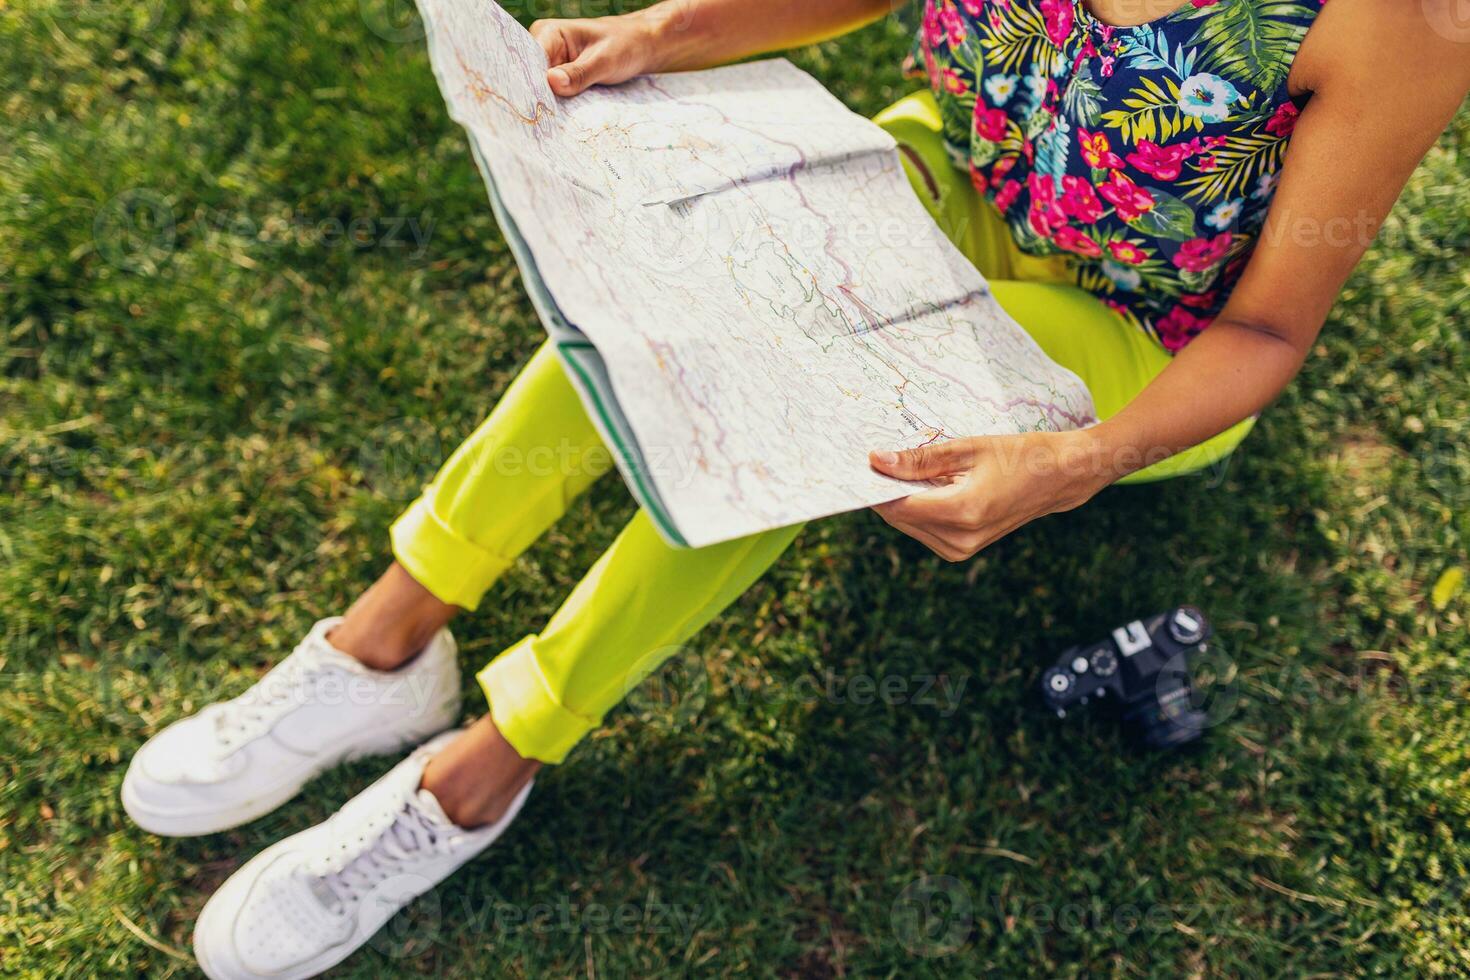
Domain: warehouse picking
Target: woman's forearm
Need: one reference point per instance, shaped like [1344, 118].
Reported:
[1228, 373]
[700, 33]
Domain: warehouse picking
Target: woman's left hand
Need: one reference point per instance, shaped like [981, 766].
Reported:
[991, 485]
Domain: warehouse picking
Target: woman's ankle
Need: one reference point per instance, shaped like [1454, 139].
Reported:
[476, 777]
[391, 622]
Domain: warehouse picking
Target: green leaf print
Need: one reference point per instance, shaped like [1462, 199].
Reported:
[1238, 165]
[1037, 123]
[1168, 218]
[1152, 113]
[1018, 38]
[983, 152]
[1198, 282]
[1251, 41]
[1081, 99]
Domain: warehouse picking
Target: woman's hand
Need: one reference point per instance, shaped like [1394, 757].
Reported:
[991, 485]
[597, 50]
[677, 35]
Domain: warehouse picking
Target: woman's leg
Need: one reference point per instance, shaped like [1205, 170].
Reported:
[492, 498]
[627, 616]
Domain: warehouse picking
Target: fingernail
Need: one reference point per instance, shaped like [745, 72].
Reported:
[560, 77]
[885, 458]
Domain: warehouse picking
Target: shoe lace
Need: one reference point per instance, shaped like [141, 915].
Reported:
[287, 685]
[382, 848]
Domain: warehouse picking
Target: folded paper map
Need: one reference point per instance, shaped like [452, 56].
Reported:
[741, 284]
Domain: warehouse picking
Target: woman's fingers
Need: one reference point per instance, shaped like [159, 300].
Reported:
[946, 506]
[922, 535]
[926, 462]
[587, 69]
[553, 40]
[582, 53]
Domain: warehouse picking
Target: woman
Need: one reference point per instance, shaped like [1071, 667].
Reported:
[1118, 168]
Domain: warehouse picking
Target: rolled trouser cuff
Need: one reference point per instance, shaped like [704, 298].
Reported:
[525, 711]
[456, 570]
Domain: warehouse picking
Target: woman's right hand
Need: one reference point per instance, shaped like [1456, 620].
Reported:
[597, 50]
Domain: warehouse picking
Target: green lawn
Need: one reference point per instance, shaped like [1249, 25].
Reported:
[251, 292]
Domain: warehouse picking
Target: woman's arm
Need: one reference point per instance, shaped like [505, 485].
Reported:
[681, 34]
[1385, 84]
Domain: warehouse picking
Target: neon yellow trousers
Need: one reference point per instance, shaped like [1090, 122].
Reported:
[537, 450]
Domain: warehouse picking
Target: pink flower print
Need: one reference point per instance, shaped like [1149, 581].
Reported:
[1000, 168]
[1159, 162]
[1006, 196]
[1127, 252]
[1046, 215]
[1072, 240]
[1096, 151]
[1206, 163]
[1087, 51]
[1200, 254]
[1178, 327]
[1079, 200]
[972, 7]
[1130, 200]
[954, 82]
[1284, 121]
[933, 31]
[1053, 95]
[1058, 17]
[1107, 66]
[990, 124]
[953, 23]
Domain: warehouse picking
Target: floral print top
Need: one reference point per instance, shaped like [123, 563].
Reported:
[1148, 153]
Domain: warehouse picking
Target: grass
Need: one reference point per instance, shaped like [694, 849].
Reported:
[213, 401]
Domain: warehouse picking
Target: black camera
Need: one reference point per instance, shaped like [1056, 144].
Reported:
[1143, 671]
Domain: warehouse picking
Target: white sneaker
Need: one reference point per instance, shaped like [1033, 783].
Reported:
[240, 759]
[305, 904]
